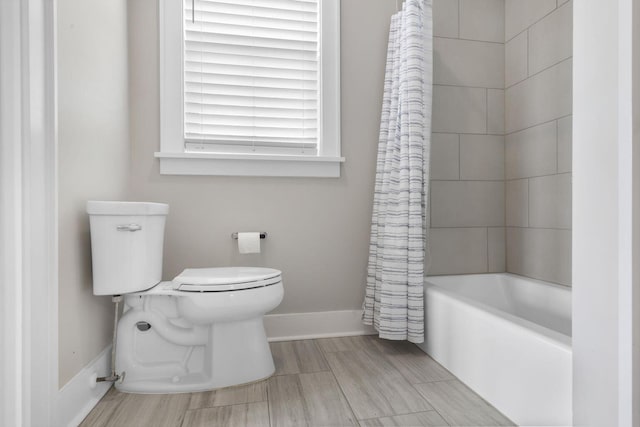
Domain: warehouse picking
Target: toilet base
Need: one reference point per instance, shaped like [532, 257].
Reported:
[174, 356]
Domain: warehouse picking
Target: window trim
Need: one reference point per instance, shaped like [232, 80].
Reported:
[175, 160]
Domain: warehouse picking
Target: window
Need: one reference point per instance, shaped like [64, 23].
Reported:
[250, 87]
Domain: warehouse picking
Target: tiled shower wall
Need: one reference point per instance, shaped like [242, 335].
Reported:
[538, 95]
[502, 157]
[467, 173]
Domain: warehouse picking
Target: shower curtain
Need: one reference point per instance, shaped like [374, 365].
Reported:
[394, 299]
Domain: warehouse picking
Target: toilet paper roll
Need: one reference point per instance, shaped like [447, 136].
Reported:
[249, 243]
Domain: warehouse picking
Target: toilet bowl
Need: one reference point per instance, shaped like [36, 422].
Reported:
[200, 331]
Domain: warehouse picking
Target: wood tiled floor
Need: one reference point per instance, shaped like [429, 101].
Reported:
[347, 381]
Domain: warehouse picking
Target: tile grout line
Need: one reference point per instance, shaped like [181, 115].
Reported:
[488, 267]
[467, 87]
[458, 35]
[486, 111]
[469, 133]
[346, 399]
[459, 157]
[534, 23]
[333, 374]
[466, 39]
[529, 77]
[533, 176]
[557, 146]
[528, 203]
[533, 126]
[268, 401]
[429, 401]
[305, 404]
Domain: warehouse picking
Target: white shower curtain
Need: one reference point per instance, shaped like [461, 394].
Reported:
[394, 300]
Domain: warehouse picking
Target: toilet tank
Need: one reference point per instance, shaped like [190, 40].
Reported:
[126, 245]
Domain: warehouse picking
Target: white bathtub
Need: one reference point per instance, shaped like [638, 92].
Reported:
[508, 338]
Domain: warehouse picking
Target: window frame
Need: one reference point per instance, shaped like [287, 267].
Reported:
[175, 160]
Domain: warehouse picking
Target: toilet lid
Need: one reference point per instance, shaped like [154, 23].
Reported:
[225, 279]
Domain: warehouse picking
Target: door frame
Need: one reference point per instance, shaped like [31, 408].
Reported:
[28, 214]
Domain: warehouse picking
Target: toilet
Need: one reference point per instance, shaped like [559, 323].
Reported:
[201, 331]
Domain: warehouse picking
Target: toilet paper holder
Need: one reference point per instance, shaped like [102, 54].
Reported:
[263, 235]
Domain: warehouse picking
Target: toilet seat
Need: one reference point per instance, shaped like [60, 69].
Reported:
[225, 279]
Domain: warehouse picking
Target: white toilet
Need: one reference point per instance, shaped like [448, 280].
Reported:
[201, 331]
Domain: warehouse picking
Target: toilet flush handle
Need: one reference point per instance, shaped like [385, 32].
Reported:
[129, 227]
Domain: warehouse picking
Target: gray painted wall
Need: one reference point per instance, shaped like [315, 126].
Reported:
[318, 228]
[93, 163]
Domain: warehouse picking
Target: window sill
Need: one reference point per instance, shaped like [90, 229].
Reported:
[249, 165]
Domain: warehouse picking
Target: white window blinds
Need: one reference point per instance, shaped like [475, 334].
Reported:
[251, 75]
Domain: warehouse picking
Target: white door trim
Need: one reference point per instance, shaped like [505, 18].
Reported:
[10, 217]
[629, 214]
[28, 214]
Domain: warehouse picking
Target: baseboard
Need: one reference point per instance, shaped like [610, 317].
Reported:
[320, 324]
[78, 397]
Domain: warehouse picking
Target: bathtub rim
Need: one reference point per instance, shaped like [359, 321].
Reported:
[549, 335]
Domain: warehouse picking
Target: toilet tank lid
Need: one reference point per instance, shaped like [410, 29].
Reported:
[126, 208]
[224, 275]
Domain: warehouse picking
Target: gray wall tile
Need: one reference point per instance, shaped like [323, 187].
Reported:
[550, 39]
[531, 152]
[565, 133]
[540, 253]
[515, 58]
[482, 157]
[520, 14]
[538, 105]
[543, 97]
[496, 247]
[467, 203]
[550, 201]
[458, 251]
[517, 203]
[459, 109]
[482, 20]
[495, 113]
[445, 156]
[445, 18]
[468, 63]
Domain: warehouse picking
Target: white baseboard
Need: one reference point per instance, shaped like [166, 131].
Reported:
[78, 397]
[321, 324]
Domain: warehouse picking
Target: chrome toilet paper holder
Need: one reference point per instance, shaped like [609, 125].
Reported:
[263, 235]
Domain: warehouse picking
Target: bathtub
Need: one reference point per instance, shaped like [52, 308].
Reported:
[508, 338]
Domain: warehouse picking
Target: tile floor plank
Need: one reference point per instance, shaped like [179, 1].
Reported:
[249, 414]
[249, 393]
[414, 364]
[325, 404]
[100, 414]
[103, 411]
[420, 419]
[460, 406]
[295, 357]
[325, 382]
[286, 406]
[358, 342]
[373, 387]
[150, 410]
